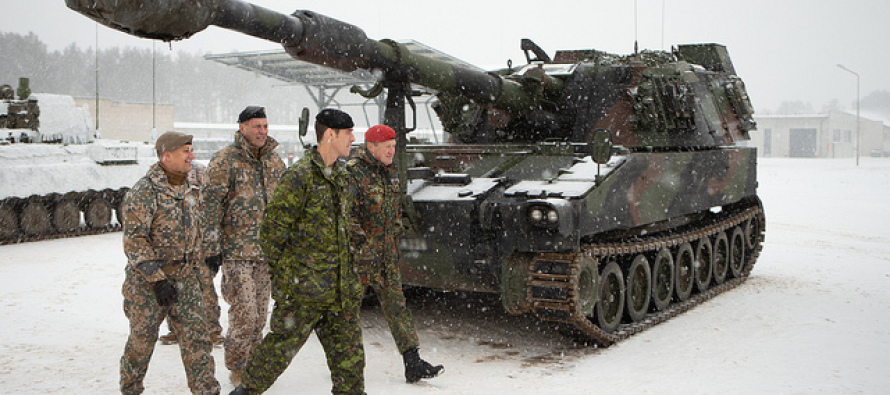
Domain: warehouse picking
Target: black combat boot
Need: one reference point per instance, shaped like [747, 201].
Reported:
[239, 390]
[416, 368]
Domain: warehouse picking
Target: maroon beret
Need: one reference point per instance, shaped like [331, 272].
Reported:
[379, 134]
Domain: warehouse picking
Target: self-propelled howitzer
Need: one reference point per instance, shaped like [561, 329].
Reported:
[602, 193]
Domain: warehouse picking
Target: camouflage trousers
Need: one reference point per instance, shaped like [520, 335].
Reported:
[210, 300]
[392, 300]
[189, 321]
[340, 335]
[247, 288]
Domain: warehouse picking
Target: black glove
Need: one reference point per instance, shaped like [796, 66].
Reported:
[213, 263]
[165, 291]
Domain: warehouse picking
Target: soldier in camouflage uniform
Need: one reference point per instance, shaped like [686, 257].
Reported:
[306, 233]
[161, 223]
[378, 212]
[239, 183]
[211, 299]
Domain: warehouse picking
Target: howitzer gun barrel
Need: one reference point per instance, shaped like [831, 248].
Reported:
[306, 36]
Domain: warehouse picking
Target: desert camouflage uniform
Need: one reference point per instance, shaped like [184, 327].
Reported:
[208, 290]
[211, 299]
[378, 212]
[237, 187]
[162, 241]
[305, 235]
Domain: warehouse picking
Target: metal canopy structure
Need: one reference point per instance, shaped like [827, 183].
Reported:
[279, 65]
[322, 83]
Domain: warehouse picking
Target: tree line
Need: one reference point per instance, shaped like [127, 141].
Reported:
[200, 90]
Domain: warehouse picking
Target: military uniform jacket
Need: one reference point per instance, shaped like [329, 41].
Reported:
[305, 235]
[161, 225]
[237, 187]
[378, 212]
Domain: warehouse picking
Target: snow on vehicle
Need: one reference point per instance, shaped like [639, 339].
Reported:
[57, 180]
[599, 192]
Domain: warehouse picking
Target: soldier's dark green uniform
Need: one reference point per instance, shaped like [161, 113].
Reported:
[305, 235]
[378, 212]
[161, 241]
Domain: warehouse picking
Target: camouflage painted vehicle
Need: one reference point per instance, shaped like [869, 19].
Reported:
[666, 218]
[599, 192]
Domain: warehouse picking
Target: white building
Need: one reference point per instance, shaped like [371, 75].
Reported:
[830, 135]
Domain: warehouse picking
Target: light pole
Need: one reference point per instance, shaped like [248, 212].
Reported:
[97, 78]
[857, 108]
[153, 86]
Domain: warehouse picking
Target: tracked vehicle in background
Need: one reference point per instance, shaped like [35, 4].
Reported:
[57, 181]
[599, 192]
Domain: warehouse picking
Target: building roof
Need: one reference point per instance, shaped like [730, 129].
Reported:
[785, 116]
[865, 117]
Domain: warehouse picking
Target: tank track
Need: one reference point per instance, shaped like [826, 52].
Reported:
[565, 311]
[55, 216]
[51, 236]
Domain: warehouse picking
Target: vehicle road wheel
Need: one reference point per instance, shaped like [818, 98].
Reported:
[98, 213]
[662, 279]
[610, 306]
[66, 216]
[8, 222]
[514, 283]
[736, 252]
[721, 258]
[704, 264]
[684, 265]
[587, 286]
[35, 219]
[638, 288]
[753, 232]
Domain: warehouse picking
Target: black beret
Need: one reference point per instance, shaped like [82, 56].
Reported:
[334, 119]
[251, 112]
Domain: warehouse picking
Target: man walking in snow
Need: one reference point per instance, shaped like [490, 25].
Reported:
[378, 212]
[238, 185]
[211, 299]
[161, 238]
[306, 233]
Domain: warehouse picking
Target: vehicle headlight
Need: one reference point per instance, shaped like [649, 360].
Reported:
[536, 215]
[543, 216]
[552, 216]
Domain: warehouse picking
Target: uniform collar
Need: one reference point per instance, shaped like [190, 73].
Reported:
[241, 142]
[158, 176]
[318, 162]
[365, 156]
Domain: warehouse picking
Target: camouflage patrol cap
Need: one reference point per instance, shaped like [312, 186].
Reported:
[171, 140]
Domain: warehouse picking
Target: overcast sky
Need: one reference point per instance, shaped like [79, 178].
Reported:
[784, 50]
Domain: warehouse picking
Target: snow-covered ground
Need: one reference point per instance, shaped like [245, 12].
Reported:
[813, 318]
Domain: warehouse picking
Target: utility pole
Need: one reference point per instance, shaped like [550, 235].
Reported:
[153, 84]
[97, 77]
[857, 108]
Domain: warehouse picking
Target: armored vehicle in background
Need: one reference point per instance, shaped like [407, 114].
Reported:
[599, 192]
[57, 181]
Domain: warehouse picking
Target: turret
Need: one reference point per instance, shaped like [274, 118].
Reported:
[689, 98]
